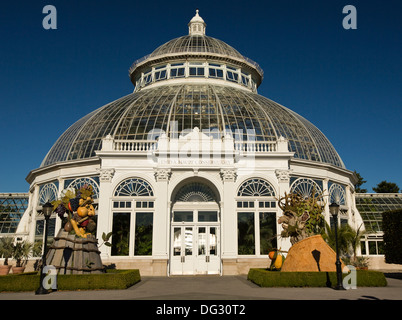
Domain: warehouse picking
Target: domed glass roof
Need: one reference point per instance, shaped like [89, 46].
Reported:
[176, 95]
[197, 44]
[218, 108]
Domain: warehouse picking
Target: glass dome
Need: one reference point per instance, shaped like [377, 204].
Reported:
[220, 97]
[195, 46]
[218, 108]
[198, 44]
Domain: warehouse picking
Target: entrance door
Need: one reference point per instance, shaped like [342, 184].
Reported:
[195, 242]
[207, 261]
[182, 257]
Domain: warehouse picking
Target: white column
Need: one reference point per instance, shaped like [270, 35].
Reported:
[228, 215]
[283, 177]
[57, 226]
[325, 190]
[33, 202]
[160, 235]
[104, 210]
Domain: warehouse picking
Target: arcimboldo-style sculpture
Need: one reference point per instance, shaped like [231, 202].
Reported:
[75, 208]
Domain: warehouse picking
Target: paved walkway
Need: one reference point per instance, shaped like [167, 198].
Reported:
[216, 288]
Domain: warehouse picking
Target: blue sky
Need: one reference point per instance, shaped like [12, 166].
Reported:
[346, 82]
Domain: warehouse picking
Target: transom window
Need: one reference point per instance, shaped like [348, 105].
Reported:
[80, 182]
[305, 187]
[337, 194]
[48, 192]
[134, 187]
[256, 187]
[195, 192]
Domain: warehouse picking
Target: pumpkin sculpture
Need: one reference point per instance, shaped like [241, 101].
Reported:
[76, 210]
[277, 259]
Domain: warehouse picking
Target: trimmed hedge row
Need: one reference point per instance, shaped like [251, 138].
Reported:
[392, 227]
[267, 278]
[112, 279]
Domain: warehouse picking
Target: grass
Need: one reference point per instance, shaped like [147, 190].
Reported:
[112, 279]
[267, 278]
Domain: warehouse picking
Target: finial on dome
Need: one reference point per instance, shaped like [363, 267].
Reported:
[196, 26]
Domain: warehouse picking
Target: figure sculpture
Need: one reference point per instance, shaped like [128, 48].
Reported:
[302, 217]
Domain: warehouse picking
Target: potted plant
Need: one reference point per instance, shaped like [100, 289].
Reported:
[6, 251]
[21, 253]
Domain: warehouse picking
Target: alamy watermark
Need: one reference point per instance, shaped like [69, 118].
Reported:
[49, 22]
[349, 21]
[350, 280]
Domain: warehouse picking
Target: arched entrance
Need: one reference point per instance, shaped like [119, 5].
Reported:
[195, 230]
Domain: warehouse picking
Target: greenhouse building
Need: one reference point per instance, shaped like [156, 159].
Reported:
[187, 169]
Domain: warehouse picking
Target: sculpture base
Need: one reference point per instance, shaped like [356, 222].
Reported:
[310, 254]
[70, 254]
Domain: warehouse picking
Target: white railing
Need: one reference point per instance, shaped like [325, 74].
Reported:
[164, 144]
[135, 145]
[256, 146]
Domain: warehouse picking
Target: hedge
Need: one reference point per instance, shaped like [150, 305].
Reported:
[392, 227]
[112, 279]
[267, 278]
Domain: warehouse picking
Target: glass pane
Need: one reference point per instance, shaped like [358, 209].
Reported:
[245, 233]
[208, 216]
[202, 241]
[188, 241]
[372, 247]
[121, 233]
[267, 231]
[380, 246]
[183, 216]
[212, 241]
[143, 233]
[363, 247]
[177, 242]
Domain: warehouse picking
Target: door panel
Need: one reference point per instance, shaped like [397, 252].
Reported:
[182, 259]
[208, 260]
[195, 247]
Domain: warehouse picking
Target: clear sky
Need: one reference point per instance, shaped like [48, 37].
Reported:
[346, 82]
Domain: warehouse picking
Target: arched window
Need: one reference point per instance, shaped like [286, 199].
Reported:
[337, 194]
[306, 188]
[48, 192]
[134, 187]
[79, 182]
[256, 187]
[256, 202]
[195, 192]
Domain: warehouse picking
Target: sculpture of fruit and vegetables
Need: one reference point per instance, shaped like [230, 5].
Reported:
[75, 208]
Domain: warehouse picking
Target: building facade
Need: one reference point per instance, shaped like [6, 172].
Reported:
[187, 170]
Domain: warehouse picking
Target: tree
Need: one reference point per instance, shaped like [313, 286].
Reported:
[386, 187]
[359, 183]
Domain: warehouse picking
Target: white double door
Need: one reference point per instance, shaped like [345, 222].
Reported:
[195, 249]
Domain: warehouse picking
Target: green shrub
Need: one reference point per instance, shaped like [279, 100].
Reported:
[392, 227]
[267, 278]
[112, 279]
